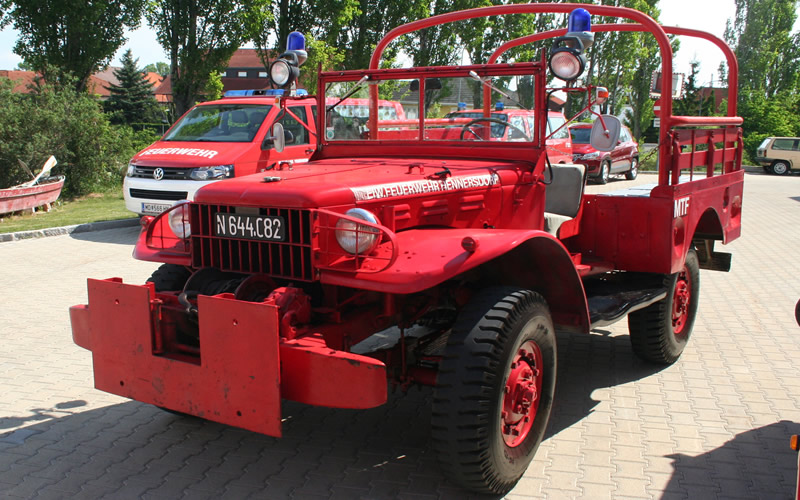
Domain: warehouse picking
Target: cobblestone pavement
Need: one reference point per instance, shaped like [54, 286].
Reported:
[714, 425]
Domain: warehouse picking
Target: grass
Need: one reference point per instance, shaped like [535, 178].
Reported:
[92, 208]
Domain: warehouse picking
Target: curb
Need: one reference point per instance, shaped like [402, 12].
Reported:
[77, 228]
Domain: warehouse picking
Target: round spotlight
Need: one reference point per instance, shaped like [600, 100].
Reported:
[280, 72]
[566, 64]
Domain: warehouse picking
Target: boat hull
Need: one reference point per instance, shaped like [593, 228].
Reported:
[20, 198]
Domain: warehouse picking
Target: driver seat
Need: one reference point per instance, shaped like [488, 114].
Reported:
[563, 195]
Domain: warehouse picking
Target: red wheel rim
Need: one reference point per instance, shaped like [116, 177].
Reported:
[522, 394]
[680, 302]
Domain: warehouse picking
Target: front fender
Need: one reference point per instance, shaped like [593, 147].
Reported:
[529, 258]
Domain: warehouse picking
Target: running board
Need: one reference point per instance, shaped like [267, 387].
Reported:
[614, 296]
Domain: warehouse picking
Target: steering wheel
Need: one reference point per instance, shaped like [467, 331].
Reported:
[466, 127]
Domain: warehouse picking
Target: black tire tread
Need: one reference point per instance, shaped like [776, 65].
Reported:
[649, 330]
[458, 423]
[169, 277]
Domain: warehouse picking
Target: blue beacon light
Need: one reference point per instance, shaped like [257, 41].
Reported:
[579, 20]
[296, 41]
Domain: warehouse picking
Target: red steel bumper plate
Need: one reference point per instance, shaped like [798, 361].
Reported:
[237, 381]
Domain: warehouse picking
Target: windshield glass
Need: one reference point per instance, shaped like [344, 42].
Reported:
[438, 115]
[580, 135]
[219, 123]
[498, 129]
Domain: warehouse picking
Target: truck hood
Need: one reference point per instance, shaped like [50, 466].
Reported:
[328, 183]
[189, 154]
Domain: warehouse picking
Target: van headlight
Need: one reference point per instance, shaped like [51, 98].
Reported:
[131, 170]
[179, 221]
[210, 173]
[355, 238]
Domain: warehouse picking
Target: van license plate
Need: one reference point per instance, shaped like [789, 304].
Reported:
[249, 227]
[154, 208]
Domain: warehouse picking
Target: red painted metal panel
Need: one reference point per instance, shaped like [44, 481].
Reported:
[79, 318]
[312, 373]
[237, 381]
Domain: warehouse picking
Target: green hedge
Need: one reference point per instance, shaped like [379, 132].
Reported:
[69, 125]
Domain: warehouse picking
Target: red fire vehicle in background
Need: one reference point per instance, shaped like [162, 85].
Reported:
[521, 127]
[469, 254]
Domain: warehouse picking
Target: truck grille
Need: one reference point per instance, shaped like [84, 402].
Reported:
[148, 194]
[289, 259]
[169, 172]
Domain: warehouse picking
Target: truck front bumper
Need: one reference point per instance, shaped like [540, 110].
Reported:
[243, 369]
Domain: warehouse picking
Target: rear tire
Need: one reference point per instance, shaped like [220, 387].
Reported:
[169, 277]
[494, 389]
[780, 168]
[634, 171]
[605, 172]
[659, 332]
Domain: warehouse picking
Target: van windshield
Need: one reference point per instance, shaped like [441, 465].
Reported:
[219, 123]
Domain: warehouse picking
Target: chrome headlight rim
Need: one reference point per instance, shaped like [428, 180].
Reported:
[358, 239]
[179, 221]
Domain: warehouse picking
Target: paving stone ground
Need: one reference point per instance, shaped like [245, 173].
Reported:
[714, 425]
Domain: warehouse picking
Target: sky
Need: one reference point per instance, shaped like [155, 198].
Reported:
[708, 15]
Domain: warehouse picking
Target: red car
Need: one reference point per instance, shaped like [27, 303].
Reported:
[600, 164]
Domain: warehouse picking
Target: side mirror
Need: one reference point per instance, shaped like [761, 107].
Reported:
[605, 133]
[276, 138]
[288, 137]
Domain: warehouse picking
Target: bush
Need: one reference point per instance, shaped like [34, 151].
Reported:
[69, 125]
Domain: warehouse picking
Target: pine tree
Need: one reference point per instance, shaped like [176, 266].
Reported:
[131, 101]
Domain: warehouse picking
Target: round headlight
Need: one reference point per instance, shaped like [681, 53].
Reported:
[357, 238]
[179, 220]
[566, 64]
[280, 72]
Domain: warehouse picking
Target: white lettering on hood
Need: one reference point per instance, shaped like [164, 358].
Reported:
[205, 153]
[381, 191]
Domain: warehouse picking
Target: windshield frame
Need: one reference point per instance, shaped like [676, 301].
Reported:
[536, 69]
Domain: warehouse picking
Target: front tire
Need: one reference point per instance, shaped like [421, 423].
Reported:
[494, 389]
[169, 277]
[634, 171]
[659, 332]
[780, 168]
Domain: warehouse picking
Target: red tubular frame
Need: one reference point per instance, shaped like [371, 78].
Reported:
[646, 24]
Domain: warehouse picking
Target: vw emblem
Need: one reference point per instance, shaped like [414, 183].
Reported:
[158, 174]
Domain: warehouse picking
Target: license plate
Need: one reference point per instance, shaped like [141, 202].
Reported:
[154, 208]
[249, 227]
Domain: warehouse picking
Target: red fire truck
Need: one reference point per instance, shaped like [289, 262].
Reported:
[461, 255]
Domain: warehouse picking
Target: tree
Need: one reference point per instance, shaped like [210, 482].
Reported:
[131, 101]
[693, 103]
[320, 55]
[59, 38]
[70, 125]
[769, 69]
[160, 67]
[200, 37]
[768, 54]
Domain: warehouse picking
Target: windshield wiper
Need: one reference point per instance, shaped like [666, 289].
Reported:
[352, 91]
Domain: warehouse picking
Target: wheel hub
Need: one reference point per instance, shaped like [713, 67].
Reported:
[680, 302]
[522, 394]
